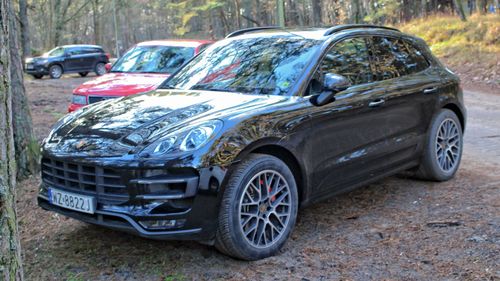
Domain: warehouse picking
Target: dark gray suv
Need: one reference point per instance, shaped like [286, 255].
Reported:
[80, 59]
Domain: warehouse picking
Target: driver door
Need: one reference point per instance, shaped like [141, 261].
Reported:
[349, 134]
[74, 60]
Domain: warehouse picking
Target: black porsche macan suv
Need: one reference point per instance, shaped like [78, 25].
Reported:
[80, 59]
[261, 123]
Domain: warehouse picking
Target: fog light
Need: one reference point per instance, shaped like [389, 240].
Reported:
[163, 224]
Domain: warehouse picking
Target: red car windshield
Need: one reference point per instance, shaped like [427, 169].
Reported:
[153, 59]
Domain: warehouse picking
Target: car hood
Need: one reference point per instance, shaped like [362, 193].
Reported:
[35, 59]
[118, 127]
[121, 84]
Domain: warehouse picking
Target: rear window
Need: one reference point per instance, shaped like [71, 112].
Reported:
[394, 57]
[92, 50]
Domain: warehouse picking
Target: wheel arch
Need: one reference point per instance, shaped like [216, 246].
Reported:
[453, 107]
[58, 63]
[273, 148]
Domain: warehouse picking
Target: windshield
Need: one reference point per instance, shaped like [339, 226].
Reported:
[267, 66]
[56, 52]
[153, 59]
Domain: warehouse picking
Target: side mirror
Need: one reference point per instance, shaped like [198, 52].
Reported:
[332, 84]
[108, 67]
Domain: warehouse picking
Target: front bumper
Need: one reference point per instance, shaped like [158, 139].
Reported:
[166, 203]
[35, 69]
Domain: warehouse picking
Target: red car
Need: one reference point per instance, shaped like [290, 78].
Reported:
[143, 68]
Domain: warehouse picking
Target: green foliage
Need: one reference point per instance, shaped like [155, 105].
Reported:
[74, 277]
[449, 36]
[175, 277]
[384, 11]
[188, 10]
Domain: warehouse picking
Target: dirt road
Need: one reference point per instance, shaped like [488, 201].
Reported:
[398, 229]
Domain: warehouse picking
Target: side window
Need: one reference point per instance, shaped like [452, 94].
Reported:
[89, 51]
[384, 59]
[419, 61]
[392, 58]
[75, 51]
[349, 58]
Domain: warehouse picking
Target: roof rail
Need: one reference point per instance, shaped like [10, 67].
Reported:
[243, 31]
[341, 27]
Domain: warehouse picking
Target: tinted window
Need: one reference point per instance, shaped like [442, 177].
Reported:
[75, 51]
[153, 59]
[267, 66]
[89, 50]
[419, 62]
[392, 58]
[349, 58]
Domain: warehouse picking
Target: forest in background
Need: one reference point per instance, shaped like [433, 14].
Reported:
[118, 24]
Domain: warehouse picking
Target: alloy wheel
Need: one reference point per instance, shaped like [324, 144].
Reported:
[55, 71]
[265, 209]
[448, 144]
[100, 69]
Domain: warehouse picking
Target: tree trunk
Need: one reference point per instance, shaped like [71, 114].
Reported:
[60, 15]
[280, 11]
[95, 18]
[25, 30]
[10, 249]
[482, 6]
[316, 12]
[459, 6]
[423, 8]
[26, 146]
[355, 11]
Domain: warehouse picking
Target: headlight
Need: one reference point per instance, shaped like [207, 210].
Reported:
[42, 61]
[164, 146]
[188, 139]
[78, 99]
[197, 137]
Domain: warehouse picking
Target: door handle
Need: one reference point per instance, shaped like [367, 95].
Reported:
[376, 103]
[430, 90]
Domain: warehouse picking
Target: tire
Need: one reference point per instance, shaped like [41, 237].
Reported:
[37, 76]
[55, 71]
[83, 74]
[100, 69]
[240, 199]
[443, 148]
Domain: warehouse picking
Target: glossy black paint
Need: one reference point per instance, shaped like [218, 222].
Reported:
[76, 58]
[367, 132]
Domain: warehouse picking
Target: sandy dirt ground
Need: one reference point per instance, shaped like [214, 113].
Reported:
[395, 229]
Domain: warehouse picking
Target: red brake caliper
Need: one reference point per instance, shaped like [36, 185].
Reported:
[268, 190]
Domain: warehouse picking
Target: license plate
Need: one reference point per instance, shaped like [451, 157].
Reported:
[77, 202]
[29, 66]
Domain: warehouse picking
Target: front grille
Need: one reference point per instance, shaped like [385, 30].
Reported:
[103, 183]
[98, 99]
